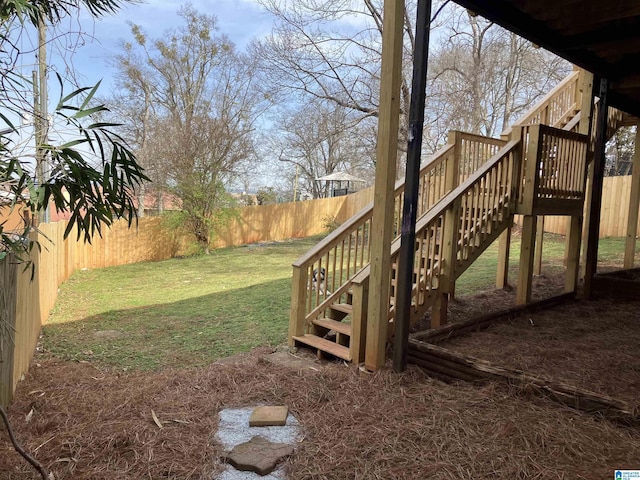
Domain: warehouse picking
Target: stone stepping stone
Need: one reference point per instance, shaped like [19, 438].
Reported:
[268, 416]
[258, 455]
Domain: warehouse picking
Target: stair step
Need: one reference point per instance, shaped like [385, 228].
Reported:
[342, 307]
[325, 345]
[339, 327]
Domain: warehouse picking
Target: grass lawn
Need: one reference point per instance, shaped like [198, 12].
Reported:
[180, 312]
[189, 312]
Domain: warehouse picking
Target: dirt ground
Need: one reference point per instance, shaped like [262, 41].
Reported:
[85, 422]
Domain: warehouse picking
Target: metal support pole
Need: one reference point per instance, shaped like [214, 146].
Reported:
[591, 264]
[412, 183]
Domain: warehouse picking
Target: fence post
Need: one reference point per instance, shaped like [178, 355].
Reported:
[299, 290]
[8, 292]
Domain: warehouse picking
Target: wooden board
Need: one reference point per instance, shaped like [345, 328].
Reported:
[450, 366]
[325, 346]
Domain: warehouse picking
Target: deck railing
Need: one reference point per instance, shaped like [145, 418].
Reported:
[323, 276]
[554, 169]
[452, 235]
[482, 209]
[556, 108]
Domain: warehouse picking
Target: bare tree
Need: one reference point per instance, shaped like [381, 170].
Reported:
[481, 77]
[319, 139]
[204, 106]
[331, 51]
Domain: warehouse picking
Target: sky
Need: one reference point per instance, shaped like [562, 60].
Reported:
[91, 43]
[241, 20]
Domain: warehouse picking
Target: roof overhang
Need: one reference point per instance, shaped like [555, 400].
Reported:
[602, 37]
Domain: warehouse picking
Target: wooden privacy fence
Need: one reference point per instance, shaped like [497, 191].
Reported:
[25, 303]
[613, 217]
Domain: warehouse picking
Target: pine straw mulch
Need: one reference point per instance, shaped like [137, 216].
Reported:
[592, 345]
[97, 424]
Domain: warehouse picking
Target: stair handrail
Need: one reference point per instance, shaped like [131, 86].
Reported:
[568, 87]
[319, 249]
[305, 305]
[436, 217]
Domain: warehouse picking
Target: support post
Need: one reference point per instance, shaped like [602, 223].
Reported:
[586, 126]
[446, 279]
[504, 245]
[412, 183]
[525, 272]
[537, 263]
[359, 321]
[383, 199]
[504, 242]
[634, 205]
[298, 302]
[574, 237]
[591, 263]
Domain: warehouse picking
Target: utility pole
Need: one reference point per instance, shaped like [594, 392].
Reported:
[41, 109]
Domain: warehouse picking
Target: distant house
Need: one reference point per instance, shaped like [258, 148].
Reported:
[341, 183]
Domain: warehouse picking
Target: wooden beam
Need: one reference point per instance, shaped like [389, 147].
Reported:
[537, 262]
[504, 246]
[525, 272]
[298, 303]
[446, 279]
[504, 243]
[634, 205]
[456, 366]
[573, 239]
[359, 320]
[456, 329]
[591, 264]
[383, 200]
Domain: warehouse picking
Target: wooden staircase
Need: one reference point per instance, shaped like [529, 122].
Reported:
[331, 327]
[468, 194]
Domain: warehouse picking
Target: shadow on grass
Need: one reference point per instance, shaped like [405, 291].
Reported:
[188, 333]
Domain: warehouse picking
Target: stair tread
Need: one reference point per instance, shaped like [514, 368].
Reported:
[339, 327]
[325, 345]
[342, 307]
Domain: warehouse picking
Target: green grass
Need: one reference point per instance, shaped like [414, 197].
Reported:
[181, 312]
[190, 312]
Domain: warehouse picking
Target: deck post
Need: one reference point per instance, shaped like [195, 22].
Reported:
[504, 246]
[359, 321]
[298, 302]
[589, 124]
[504, 241]
[634, 205]
[406, 256]
[537, 262]
[446, 284]
[383, 199]
[525, 272]
[573, 238]
[450, 233]
[591, 263]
